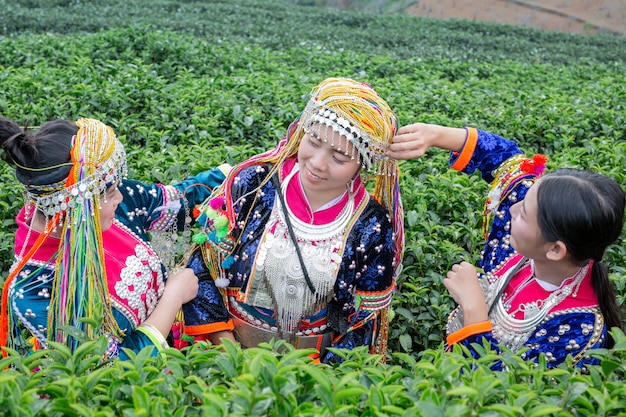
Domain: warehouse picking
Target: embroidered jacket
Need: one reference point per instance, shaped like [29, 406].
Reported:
[361, 288]
[572, 327]
[135, 274]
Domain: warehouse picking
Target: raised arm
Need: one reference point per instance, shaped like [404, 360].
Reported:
[412, 141]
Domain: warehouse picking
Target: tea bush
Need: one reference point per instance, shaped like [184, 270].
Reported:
[188, 85]
[277, 380]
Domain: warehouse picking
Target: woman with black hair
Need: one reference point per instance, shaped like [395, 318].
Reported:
[293, 245]
[83, 254]
[543, 284]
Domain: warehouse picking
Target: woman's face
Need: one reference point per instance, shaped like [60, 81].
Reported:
[324, 169]
[526, 237]
[108, 204]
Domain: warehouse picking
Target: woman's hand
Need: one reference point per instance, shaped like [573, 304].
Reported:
[412, 141]
[462, 283]
[180, 288]
[182, 285]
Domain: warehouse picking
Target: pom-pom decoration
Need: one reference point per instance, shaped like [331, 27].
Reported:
[199, 238]
[211, 216]
[217, 204]
[221, 233]
[222, 282]
[535, 165]
[220, 222]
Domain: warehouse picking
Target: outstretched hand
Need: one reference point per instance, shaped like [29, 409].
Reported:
[412, 141]
[180, 288]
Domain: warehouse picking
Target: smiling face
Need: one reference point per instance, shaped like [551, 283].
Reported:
[324, 169]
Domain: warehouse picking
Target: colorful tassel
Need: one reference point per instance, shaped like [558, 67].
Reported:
[199, 238]
[228, 262]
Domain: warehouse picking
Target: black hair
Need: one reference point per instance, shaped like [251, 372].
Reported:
[49, 147]
[585, 211]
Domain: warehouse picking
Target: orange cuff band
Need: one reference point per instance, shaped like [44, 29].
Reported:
[208, 328]
[467, 331]
[467, 152]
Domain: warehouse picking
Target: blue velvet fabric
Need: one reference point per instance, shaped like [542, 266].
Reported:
[491, 151]
[208, 306]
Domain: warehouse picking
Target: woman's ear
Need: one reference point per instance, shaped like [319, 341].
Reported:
[557, 251]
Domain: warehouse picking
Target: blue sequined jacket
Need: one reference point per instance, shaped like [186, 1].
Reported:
[362, 290]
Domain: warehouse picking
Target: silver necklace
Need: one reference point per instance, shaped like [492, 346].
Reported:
[277, 262]
[309, 232]
[513, 332]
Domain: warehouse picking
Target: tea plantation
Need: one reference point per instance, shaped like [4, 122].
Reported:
[188, 85]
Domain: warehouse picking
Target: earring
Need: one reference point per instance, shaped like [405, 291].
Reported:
[350, 184]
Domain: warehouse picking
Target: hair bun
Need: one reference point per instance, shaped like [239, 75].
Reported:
[17, 147]
[17, 137]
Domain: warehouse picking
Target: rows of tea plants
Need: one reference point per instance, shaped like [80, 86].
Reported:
[188, 85]
[276, 380]
[281, 24]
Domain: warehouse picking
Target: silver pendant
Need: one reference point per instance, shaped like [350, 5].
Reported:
[531, 310]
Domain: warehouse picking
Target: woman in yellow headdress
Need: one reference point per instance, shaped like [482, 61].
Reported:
[83, 257]
[294, 247]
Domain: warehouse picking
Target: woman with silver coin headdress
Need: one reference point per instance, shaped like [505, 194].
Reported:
[543, 289]
[293, 245]
[83, 257]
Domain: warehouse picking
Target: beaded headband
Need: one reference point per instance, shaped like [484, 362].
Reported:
[105, 165]
[369, 152]
[371, 149]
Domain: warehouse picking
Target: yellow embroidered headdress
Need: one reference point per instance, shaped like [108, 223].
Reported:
[98, 160]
